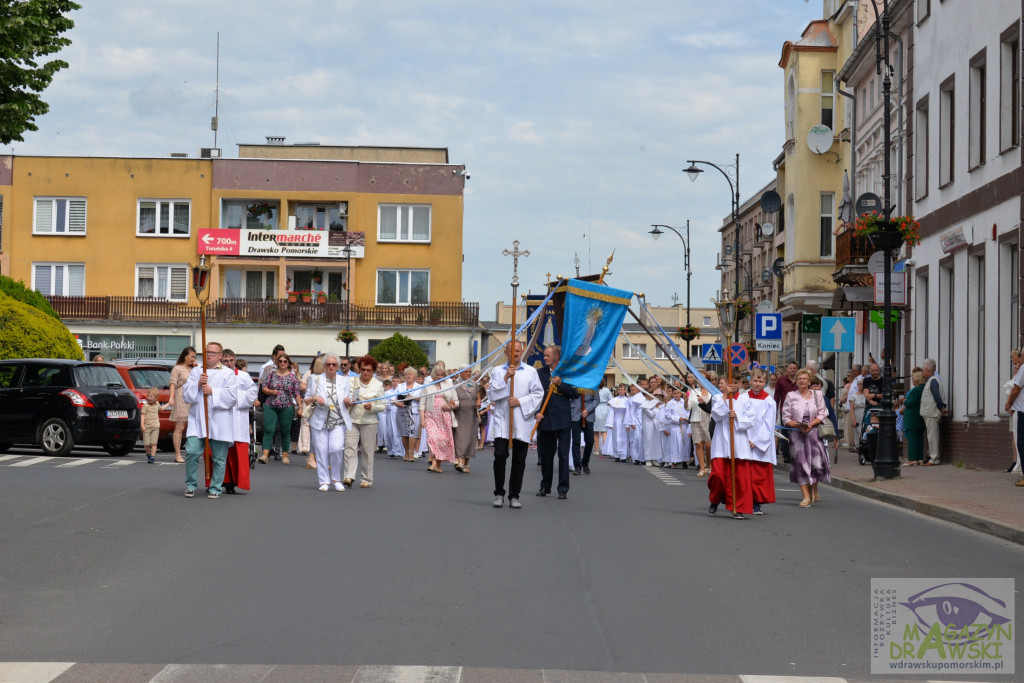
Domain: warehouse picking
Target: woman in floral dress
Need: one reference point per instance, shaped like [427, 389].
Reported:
[436, 410]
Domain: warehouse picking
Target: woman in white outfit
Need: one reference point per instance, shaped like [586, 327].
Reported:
[329, 422]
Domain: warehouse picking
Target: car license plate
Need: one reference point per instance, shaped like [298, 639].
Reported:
[117, 414]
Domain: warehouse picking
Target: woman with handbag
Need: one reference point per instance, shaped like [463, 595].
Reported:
[437, 403]
[328, 417]
[316, 368]
[408, 419]
[802, 411]
[281, 392]
[365, 400]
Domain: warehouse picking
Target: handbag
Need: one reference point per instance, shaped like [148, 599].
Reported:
[825, 429]
[307, 411]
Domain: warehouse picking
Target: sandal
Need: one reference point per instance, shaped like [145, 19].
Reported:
[465, 470]
[458, 468]
[805, 503]
[817, 498]
[431, 469]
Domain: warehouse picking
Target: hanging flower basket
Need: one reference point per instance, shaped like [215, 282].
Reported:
[743, 307]
[872, 225]
[347, 336]
[321, 297]
[688, 332]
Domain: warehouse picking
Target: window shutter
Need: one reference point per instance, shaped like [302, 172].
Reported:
[146, 281]
[76, 279]
[76, 215]
[44, 215]
[44, 279]
[179, 283]
[421, 223]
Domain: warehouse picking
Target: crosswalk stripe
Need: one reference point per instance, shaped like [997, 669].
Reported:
[120, 463]
[76, 463]
[8, 457]
[33, 461]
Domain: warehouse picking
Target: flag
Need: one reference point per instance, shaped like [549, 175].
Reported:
[878, 317]
[591, 324]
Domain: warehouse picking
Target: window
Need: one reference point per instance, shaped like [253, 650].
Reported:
[403, 286]
[1009, 88]
[827, 98]
[921, 149]
[707, 321]
[249, 214]
[921, 316]
[249, 284]
[977, 349]
[659, 352]
[403, 223]
[59, 279]
[333, 216]
[1013, 319]
[164, 217]
[924, 9]
[947, 130]
[156, 281]
[976, 131]
[59, 216]
[828, 200]
[629, 353]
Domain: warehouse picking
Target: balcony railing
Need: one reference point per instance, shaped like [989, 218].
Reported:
[852, 250]
[266, 311]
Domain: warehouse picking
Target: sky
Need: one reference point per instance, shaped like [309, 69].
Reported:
[574, 118]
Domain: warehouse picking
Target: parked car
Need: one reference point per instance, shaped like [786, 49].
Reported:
[58, 404]
[140, 376]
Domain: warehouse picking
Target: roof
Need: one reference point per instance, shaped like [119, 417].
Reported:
[818, 37]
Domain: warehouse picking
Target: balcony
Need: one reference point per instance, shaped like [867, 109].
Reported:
[266, 312]
[852, 254]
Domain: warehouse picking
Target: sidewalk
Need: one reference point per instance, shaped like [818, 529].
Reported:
[981, 500]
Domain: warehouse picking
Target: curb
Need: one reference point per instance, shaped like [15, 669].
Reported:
[971, 521]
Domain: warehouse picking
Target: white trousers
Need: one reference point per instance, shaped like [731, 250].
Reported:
[329, 448]
[931, 428]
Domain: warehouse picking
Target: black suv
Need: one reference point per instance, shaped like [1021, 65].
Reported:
[60, 403]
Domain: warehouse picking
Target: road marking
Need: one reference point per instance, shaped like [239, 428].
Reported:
[76, 463]
[663, 476]
[33, 461]
[119, 463]
[8, 457]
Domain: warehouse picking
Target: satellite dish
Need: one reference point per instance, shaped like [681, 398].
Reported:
[868, 202]
[876, 264]
[727, 249]
[777, 266]
[766, 277]
[767, 229]
[820, 139]
[770, 201]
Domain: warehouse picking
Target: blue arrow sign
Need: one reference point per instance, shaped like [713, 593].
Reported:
[837, 334]
[711, 354]
[769, 326]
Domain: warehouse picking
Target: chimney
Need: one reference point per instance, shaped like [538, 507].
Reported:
[275, 140]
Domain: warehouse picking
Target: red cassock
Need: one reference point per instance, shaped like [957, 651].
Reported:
[720, 485]
[236, 470]
[762, 481]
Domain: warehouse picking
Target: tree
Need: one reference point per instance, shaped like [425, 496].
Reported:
[26, 332]
[29, 29]
[399, 349]
[18, 290]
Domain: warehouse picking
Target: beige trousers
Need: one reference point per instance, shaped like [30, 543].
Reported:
[360, 443]
[931, 427]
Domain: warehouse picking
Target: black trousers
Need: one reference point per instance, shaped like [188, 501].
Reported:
[515, 479]
[586, 431]
[548, 444]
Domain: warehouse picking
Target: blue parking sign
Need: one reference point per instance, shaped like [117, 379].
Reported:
[768, 326]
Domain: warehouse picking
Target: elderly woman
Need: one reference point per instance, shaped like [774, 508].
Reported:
[913, 424]
[465, 419]
[437, 403]
[329, 422]
[408, 418]
[802, 411]
[315, 368]
[364, 401]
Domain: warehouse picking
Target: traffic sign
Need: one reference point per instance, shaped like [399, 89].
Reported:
[810, 323]
[769, 326]
[711, 354]
[837, 334]
[737, 354]
[768, 344]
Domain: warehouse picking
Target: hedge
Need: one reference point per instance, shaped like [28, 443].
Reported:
[26, 332]
[18, 290]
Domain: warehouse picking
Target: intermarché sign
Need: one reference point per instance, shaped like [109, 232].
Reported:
[326, 244]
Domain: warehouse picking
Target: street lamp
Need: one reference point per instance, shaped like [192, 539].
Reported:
[656, 233]
[693, 172]
[347, 251]
[200, 280]
[727, 318]
[886, 463]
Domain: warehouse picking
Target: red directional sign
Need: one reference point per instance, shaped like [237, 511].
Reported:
[737, 354]
[214, 241]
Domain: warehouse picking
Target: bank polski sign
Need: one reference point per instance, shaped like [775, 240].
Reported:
[326, 244]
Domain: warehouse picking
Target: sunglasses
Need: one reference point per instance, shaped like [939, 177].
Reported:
[330, 365]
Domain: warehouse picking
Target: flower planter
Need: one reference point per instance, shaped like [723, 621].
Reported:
[291, 298]
[885, 239]
[306, 298]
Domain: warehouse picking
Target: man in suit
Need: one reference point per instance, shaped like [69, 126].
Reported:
[581, 411]
[555, 426]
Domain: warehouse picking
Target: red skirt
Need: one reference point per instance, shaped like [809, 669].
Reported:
[720, 484]
[236, 469]
[762, 481]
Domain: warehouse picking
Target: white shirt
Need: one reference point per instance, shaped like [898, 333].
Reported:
[246, 394]
[742, 423]
[1018, 380]
[221, 403]
[530, 393]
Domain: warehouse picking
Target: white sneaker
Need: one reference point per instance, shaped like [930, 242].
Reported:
[338, 486]
[499, 501]
[323, 487]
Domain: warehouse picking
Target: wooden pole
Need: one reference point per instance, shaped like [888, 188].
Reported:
[732, 429]
[512, 380]
[207, 452]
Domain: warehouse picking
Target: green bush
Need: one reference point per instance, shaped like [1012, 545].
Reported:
[399, 349]
[19, 291]
[26, 332]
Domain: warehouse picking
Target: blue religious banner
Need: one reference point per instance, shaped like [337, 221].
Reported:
[545, 329]
[592, 321]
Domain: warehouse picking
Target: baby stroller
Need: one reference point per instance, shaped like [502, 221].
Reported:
[867, 444]
[254, 443]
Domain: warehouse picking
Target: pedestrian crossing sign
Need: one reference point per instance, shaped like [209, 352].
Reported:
[711, 354]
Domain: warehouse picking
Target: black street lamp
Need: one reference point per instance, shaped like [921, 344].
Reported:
[656, 233]
[887, 462]
[693, 171]
[347, 251]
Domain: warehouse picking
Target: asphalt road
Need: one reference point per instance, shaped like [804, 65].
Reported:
[106, 561]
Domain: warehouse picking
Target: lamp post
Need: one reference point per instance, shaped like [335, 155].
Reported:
[347, 251]
[693, 172]
[200, 280]
[886, 463]
[727, 317]
[656, 232]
